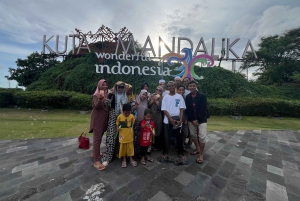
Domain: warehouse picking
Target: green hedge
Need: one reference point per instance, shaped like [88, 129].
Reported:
[53, 99]
[220, 106]
[255, 107]
[6, 96]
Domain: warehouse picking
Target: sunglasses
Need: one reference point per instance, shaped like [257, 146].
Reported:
[158, 90]
[121, 87]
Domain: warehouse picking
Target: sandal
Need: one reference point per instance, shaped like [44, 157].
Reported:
[133, 163]
[150, 159]
[195, 152]
[181, 156]
[166, 159]
[143, 162]
[124, 165]
[199, 161]
[181, 162]
[99, 167]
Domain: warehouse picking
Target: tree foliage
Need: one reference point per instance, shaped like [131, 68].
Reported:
[30, 69]
[79, 74]
[280, 55]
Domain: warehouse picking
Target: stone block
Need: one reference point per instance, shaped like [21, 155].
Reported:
[197, 185]
[64, 197]
[25, 166]
[246, 160]
[226, 169]
[161, 196]
[67, 186]
[275, 170]
[276, 192]
[184, 178]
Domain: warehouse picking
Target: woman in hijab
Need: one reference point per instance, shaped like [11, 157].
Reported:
[145, 86]
[120, 100]
[155, 107]
[98, 124]
[121, 97]
[129, 93]
[140, 106]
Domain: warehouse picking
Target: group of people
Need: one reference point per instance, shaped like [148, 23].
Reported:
[136, 125]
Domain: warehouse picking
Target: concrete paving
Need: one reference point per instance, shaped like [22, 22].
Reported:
[239, 165]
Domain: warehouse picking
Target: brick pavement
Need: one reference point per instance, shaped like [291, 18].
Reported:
[239, 165]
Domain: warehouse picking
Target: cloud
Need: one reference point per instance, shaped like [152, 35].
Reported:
[276, 20]
[15, 50]
[22, 23]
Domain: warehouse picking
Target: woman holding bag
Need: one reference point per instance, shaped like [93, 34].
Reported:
[98, 124]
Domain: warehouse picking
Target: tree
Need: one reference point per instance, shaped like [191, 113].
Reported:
[279, 58]
[29, 70]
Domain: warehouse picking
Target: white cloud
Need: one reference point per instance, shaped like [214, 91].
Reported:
[15, 50]
[276, 20]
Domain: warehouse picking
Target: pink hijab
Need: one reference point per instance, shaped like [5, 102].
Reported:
[100, 87]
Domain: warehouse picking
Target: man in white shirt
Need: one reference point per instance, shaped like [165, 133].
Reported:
[173, 106]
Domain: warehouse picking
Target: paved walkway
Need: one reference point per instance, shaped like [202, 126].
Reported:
[239, 165]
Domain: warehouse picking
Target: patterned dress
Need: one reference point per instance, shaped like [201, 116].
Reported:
[110, 136]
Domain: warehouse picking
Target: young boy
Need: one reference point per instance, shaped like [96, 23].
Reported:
[124, 127]
[147, 132]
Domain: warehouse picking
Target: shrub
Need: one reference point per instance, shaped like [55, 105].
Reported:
[6, 96]
[80, 101]
[255, 107]
[218, 106]
[53, 99]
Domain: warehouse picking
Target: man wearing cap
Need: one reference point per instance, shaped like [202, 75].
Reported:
[162, 83]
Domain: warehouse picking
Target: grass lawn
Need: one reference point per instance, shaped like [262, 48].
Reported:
[25, 123]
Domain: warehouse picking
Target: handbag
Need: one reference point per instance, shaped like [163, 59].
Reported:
[83, 141]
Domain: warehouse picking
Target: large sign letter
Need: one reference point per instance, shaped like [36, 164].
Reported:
[160, 42]
[66, 44]
[229, 46]
[249, 52]
[83, 40]
[46, 45]
[183, 38]
[131, 40]
[148, 40]
[201, 42]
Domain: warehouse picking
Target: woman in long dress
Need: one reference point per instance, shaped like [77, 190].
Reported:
[98, 124]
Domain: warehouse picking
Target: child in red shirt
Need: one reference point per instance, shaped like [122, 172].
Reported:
[147, 133]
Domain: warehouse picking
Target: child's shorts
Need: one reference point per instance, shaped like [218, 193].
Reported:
[126, 149]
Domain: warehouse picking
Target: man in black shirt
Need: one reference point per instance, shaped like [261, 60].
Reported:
[196, 106]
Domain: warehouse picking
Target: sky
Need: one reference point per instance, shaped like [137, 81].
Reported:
[23, 23]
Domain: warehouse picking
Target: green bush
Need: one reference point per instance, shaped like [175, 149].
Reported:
[53, 99]
[218, 106]
[79, 101]
[6, 96]
[255, 107]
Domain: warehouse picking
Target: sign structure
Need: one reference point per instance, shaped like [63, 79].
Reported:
[114, 47]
